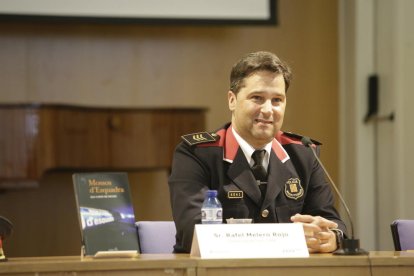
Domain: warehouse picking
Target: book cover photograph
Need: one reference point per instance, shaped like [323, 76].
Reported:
[105, 212]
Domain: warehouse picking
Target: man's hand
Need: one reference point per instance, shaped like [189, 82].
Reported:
[319, 237]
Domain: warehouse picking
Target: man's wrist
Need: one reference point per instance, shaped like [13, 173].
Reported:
[339, 237]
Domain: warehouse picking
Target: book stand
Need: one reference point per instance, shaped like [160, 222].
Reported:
[110, 254]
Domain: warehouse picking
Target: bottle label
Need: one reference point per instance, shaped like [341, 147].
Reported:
[211, 215]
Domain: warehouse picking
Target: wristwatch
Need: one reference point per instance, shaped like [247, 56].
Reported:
[339, 237]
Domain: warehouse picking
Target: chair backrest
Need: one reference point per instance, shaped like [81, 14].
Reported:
[6, 228]
[402, 231]
[156, 236]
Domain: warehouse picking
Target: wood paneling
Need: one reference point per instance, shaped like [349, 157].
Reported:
[36, 139]
[41, 138]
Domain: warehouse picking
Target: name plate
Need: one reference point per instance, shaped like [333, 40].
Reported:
[261, 240]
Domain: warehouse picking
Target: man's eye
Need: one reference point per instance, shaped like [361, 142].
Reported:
[276, 100]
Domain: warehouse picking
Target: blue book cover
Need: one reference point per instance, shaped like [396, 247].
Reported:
[105, 212]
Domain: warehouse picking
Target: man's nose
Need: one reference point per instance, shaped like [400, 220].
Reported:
[267, 107]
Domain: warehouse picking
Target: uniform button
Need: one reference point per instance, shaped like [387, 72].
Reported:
[265, 213]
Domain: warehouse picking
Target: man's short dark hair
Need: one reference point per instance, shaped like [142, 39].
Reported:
[254, 62]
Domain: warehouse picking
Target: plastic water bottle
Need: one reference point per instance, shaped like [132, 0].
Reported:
[211, 211]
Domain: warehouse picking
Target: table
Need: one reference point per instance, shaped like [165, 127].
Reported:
[377, 263]
[148, 265]
[384, 263]
[315, 265]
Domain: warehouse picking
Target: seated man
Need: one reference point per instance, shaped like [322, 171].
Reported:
[277, 179]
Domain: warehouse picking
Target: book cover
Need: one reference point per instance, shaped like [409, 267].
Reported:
[105, 212]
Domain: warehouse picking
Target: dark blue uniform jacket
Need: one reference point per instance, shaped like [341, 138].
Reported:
[203, 161]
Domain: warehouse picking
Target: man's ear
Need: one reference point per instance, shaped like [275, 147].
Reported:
[232, 98]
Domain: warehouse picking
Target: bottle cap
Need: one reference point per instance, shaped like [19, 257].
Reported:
[211, 193]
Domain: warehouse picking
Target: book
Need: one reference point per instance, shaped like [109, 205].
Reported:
[105, 211]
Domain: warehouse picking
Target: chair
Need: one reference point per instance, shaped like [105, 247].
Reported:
[6, 228]
[402, 231]
[156, 236]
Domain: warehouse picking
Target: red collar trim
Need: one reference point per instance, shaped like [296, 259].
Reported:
[280, 151]
[231, 147]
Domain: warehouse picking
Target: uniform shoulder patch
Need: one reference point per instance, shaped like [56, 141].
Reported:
[299, 137]
[199, 138]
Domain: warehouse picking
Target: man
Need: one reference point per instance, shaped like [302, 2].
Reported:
[259, 172]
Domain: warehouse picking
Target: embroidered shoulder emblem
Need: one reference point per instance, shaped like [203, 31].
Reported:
[199, 138]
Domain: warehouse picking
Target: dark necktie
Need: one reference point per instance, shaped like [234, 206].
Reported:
[258, 169]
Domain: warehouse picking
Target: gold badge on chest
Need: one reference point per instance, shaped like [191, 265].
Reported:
[293, 189]
[234, 194]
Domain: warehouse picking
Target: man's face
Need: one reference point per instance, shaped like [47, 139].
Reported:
[259, 107]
